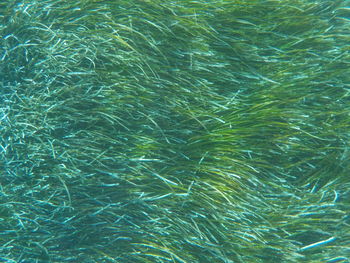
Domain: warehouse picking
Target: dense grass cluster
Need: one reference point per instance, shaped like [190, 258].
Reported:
[145, 131]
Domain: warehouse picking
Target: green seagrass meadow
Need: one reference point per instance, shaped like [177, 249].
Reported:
[149, 131]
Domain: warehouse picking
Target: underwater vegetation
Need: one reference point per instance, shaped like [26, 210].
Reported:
[148, 131]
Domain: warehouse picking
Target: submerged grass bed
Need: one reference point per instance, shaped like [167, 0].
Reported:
[176, 131]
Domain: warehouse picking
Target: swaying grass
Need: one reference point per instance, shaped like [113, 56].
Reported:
[177, 131]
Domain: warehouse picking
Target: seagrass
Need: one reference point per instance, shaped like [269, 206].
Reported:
[174, 131]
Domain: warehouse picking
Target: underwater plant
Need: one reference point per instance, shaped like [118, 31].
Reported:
[174, 131]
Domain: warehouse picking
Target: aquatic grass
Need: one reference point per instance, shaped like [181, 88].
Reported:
[174, 132]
